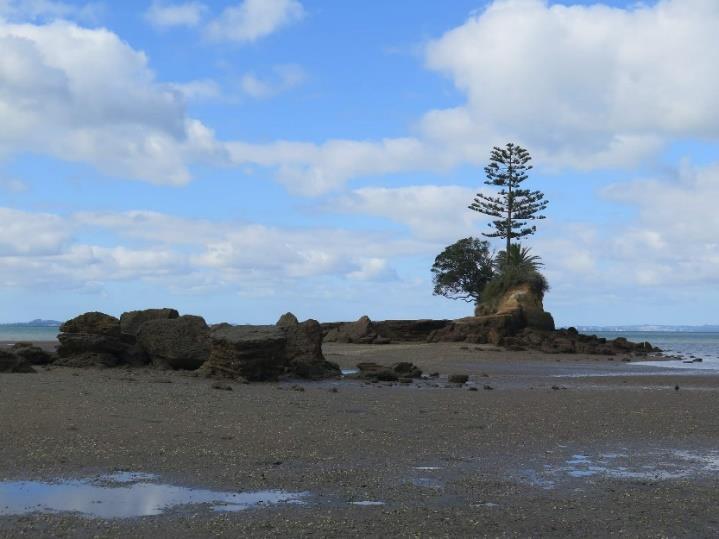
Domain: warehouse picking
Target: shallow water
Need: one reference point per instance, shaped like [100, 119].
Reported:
[126, 495]
[704, 345]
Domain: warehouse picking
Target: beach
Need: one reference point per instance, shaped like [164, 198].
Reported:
[545, 444]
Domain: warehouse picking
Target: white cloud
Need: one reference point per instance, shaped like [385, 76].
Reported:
[251, 20]
[432, 212]
[166, 15]
[581, 86]
[85, 95]
[285, 78]
[39, 249]
[13, 185]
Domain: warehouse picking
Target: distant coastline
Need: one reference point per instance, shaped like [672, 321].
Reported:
[37, 323]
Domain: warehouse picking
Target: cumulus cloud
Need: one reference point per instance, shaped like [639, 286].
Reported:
[251, 20]
[285, 77]
[164, 15]
[85, 95]
[584, 87]
[197, 90]
[431, 212]
[176, 253]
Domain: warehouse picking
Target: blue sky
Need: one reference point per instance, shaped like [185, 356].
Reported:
[239, 159]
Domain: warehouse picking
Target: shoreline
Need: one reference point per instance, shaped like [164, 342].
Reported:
[512, 460]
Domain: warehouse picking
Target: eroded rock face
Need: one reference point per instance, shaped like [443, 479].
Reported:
[525, 304]
[569, 341]
[175, 343]
[11, 363]
[131, 321]
[255, 353]
[303, 349]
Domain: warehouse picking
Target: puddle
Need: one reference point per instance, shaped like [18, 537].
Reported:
[126, 495]
[427, 468]
[348, 372]
[649, 466]
[367, 503]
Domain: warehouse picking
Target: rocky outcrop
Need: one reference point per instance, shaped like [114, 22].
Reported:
[408, 330]
[570, 341]
[489, 329]
[31, 353]
[132, 321]
[255, 353]
[260, 353]
[11, 363]
[363, 331]
[303, 349]
[93, 339]
[524, 304]
[175, 343]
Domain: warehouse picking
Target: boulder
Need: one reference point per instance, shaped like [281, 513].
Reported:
[34, 355]
[93, 323]
[303, 349]
[131, 321]
[11, 363]
[255, 353]
[175, 343]
[93, 339]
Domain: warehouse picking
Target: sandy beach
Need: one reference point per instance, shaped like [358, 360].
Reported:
[561, 445]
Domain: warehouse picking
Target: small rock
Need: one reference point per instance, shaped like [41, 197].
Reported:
[488, 387]
[458, 378]
[473, 388]
[222, 387]
[333, 390]
[676, 388]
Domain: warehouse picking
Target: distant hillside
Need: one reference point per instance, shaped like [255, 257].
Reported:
[37, 323]
[650, 327]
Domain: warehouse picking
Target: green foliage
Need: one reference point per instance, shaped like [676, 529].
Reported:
[513, 206]
[463, 269]
[517, 268]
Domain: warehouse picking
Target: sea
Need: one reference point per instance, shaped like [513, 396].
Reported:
[19, 333]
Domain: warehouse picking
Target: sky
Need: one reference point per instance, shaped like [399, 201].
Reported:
[239, 159]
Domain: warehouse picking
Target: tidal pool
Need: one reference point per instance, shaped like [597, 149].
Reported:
[126, 495]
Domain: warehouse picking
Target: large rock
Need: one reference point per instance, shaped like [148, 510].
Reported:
[175, 343]
[303, 349]
[93, 339]
[10, 363]
[255, 353]
[131, 321]
[522, 301]
[93, 323]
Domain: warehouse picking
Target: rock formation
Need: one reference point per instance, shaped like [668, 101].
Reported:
[93, 339]
[175, 343]
[11, 363]
[131, 321]
[258, 353]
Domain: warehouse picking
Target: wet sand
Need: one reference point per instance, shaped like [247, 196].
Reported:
[562, 445]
